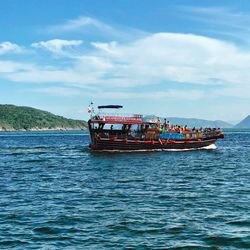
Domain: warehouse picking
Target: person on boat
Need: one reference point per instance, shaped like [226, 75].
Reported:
[181, 129]
[171, 128]
[163, 129]
[165, 123]
[186, 129]
[177, 129]
[168, 125]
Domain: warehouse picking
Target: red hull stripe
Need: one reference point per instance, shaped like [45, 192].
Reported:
[147, 142]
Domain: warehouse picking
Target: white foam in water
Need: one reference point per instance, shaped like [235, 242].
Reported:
[210, 147]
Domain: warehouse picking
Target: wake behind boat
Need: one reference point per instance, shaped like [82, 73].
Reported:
[137, 132]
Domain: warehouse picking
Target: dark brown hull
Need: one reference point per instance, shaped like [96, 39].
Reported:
[106, 144]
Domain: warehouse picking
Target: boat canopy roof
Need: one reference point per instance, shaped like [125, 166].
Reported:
[118, 120]
[110, 107]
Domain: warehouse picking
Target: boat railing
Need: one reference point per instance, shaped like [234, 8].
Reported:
[141, 135]
[212, 133]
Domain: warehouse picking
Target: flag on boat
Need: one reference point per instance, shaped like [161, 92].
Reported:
[89, 109]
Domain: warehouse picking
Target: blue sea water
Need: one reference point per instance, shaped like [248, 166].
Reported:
[56, 194]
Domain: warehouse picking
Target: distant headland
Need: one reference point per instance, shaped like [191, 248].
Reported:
[16, 118]
[245, 123]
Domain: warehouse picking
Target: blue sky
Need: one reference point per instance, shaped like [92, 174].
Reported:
[169, 58]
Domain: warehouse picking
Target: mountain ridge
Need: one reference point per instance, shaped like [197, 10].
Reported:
[195, 122]
[245, 123]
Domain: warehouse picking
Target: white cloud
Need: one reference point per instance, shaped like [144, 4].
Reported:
[223, 21]
[106, 47]
[92, 26]
[58, 91]
[57, 45]
[7, 66]
[43, 75]
[219, 15]
[196, 62]
[153, 95]
[169, 57]
[80, 23]
[8, 47]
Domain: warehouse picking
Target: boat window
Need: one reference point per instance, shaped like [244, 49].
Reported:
[94, 125]
[135, 127]
[153, 125]
[112, 127]
[118, 126]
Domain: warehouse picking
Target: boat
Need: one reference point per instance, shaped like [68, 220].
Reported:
[119, 132]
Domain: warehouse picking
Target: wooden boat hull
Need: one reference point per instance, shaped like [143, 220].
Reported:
[130, 145]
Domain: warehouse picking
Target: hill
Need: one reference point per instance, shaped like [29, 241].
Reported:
[25, 118]
[193, 122]
[245, 123]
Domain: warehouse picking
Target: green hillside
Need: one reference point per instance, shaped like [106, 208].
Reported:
[26, 118]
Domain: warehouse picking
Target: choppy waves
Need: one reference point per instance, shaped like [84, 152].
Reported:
[56, 194]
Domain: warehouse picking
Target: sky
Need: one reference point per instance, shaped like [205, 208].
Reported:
[171, 58]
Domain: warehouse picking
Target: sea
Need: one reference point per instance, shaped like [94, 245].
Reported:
[57, 194]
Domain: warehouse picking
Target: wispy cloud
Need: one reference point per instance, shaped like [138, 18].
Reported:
[8, 47]
[95, 27]
[79, 24]
[106, 47]
[219, 15]
[57, 45]
[225, 21]
[153, 95]
[9, 67]
[58, 91]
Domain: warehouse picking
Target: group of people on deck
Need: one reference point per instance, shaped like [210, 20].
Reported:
[167, 127]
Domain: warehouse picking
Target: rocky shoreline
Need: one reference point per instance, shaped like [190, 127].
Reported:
[3, 129]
